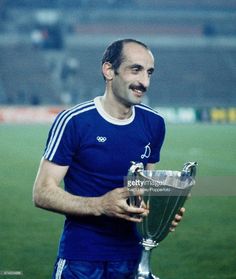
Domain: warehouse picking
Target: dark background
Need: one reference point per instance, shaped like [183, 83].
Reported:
[50, 51]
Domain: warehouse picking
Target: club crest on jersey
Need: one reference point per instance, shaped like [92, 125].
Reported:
[147, 151]
[101, 139]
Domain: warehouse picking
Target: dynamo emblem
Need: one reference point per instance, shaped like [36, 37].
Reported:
[147, 151]
[101, 139]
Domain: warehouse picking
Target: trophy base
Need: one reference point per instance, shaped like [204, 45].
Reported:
[149, 276]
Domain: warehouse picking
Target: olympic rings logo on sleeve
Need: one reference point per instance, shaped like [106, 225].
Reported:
[101, 139]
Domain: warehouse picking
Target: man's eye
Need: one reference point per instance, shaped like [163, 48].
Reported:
[135, 70]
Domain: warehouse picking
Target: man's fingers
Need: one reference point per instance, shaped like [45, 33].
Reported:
[123, 192]
[128, 212]
[135, 210]
[137, 219]
[174, 224]
[181, 211]
[178, 218]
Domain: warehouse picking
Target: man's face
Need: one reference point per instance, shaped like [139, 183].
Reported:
[133, 76]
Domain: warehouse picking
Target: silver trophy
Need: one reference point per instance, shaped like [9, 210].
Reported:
[164, 193]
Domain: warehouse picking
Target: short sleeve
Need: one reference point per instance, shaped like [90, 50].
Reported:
[62, 141]
[158, 136]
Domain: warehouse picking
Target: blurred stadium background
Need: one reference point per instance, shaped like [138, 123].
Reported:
[50, 52]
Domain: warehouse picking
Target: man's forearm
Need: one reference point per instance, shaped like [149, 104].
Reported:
[48, 195]
[55, 199]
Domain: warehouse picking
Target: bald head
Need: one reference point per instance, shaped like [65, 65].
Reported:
[114, 53]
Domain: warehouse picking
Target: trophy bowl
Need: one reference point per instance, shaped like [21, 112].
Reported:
[163, 192]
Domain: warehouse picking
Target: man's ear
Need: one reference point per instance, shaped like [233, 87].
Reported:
[108, 71]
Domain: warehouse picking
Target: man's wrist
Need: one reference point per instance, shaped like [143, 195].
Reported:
[96, 206]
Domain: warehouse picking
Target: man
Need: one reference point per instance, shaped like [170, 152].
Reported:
[90, 146]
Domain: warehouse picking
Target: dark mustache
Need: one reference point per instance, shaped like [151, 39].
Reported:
[138, 87]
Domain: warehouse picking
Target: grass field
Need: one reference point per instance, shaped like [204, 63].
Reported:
[203, 247]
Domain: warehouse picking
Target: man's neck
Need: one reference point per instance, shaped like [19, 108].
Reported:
[115, 108]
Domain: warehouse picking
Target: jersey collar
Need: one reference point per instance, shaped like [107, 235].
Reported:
[109, 118]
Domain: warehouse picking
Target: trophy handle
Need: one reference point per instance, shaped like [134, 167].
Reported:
[189, 169]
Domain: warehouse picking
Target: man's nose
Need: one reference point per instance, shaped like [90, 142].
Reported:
[145, 80]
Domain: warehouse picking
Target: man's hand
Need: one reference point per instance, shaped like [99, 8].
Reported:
[114, 204]
[177, 219]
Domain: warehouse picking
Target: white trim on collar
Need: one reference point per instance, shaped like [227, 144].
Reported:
[108, 117]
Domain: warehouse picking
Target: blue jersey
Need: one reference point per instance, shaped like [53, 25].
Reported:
[98, 150]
